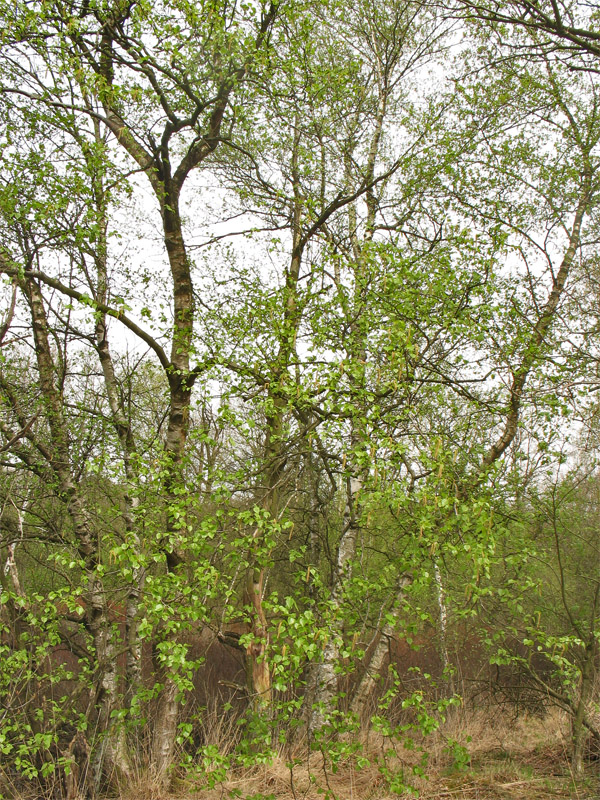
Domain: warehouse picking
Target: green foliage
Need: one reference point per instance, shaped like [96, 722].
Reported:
[343, 424]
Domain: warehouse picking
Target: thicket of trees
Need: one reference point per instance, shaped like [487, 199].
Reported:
[299, 353]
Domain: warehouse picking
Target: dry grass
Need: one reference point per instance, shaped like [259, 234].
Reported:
[504, 758]
[508, 759]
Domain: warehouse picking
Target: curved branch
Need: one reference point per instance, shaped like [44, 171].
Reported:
[84, 299]
[538, 336]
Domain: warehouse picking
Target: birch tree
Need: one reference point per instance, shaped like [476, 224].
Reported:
[104, 64]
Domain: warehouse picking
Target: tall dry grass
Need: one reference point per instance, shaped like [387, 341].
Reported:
[499, 756]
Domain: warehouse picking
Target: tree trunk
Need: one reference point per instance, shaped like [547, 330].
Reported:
[180, 385]
[257, 666]
[258, 673]
[578, 728]
[112, 757]
[77, 781]
[122, 426]
[372, 674]
[165, 730]
[443, 632]
[325, 676]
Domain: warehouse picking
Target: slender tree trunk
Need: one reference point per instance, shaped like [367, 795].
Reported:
[113, 757]
[10, 566]
[181, 382]
[133, 670]
[372, 674]
[578, 729]
[9, 610]
[258, 673]
[257, 665]
[443, 630]
[325, 676]
[133, 657]
[165, 729]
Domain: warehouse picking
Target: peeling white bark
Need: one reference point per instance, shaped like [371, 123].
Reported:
[443, 621]
[324, 675]
[165, 730]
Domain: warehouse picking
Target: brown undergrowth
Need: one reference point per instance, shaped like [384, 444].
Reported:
[484, 755]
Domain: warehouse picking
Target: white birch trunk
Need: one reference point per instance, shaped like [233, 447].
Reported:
[165, 730]
[443, 622]
[324, 675]
[10, 566]
[372, 674]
